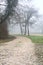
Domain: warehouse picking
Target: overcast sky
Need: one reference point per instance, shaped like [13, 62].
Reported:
[39, 4]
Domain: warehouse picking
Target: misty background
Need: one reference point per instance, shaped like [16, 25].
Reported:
[21, 14]
[35, 28]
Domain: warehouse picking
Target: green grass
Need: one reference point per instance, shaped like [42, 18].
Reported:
[36, 39]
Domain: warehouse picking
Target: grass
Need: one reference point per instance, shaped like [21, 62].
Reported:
[36, 39]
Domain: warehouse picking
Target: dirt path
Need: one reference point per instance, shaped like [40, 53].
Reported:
[20, 51]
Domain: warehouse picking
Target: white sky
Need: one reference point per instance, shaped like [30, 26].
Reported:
[39, 4]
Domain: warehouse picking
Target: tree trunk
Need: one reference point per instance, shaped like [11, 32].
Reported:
[21, 29]
[3, 30]
[25, 29]
[28, 31]
[28, 28]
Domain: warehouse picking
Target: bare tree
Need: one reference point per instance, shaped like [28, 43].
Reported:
[24, 15]
[6, 10]
[30, 13]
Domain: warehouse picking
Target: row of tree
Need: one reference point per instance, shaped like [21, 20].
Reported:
[24, 15]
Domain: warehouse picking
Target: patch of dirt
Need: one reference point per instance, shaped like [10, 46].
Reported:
[20, 51]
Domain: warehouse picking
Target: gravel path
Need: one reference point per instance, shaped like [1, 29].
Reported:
[20, 51]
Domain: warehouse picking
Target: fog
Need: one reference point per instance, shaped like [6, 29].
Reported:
[35, 28]
[38, 4]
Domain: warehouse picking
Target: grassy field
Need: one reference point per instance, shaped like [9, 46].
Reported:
[36, 39]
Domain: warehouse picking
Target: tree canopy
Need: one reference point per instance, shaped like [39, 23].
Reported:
[8, 5]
